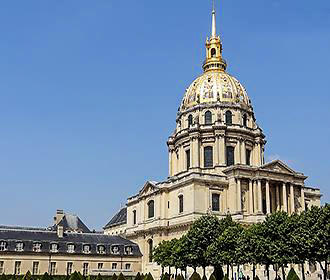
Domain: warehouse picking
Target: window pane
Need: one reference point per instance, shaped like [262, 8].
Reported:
[215, 202]
[180, 203]
[188, 159]
[151, 211]
[248, 157]
[208, 117]
[229, 117]
[208, 157]
[230, 156]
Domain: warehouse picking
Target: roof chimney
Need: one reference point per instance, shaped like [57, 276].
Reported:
[59, 216]
[60, 231]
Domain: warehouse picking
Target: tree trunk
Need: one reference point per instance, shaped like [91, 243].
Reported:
[169, 271]
[283, 272]
[267, 269]
[228, 271]
[232, 272]
[238, 271]
[303, 271]
[276, 272]
[204, 270]
[176, 272]
[324, 269]
[253, 271]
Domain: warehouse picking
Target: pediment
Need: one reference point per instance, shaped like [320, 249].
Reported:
[149, 187]
[278, 166]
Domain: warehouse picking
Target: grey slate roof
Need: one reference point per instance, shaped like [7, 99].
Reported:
[118, 219]
[72, 223]
[12, 235]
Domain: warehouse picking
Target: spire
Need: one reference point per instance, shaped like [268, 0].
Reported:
[214, 60]
[214, 27]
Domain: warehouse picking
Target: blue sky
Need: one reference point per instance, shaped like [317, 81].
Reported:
[89, 92]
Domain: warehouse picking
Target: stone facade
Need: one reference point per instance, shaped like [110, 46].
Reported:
[216, 165]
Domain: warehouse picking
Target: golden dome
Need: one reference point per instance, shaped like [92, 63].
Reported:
[214, 87]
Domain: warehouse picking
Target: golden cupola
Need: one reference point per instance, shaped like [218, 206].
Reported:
[215, 85]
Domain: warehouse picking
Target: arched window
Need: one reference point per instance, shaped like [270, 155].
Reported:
[151, 209]
[208, 117]
[134, 217]
[248, 157]
[188, 159]
[180, 203]
[245, 120]
[208, 157]
[229, 118]
[213, 52]
[190, 120]
[230, 156]
[150, 245]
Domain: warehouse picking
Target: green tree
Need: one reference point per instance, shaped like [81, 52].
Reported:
[318, 223]
[224, 249]
[121, 277]
[202, 233]
[138, 276]
[292, 275]
[74, 276]
[195, 276]
[114, 276]
[162, 254]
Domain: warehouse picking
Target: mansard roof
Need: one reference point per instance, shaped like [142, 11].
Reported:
[46, 237]
[118, 219]
[72, 223]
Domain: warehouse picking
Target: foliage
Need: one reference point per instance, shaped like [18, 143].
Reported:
[179, 277]
[114, 277]
[27, 276]
[74, 276]
[138, 276]
[204, 277]
[292, 275]
[149, 277]
[212, 277]
[99, 277]
[121, 277]
[195, 276]
[225, 277]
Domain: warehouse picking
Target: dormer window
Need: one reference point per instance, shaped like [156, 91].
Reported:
[19, 247]
[54, 248]
[71, 248]
[115, 250]
[3, 246]
[37, 247]
[101, 249]
[128, 250]
[86, 249]
[190, 120]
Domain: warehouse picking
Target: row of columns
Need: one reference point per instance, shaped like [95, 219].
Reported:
[177, 157]
[255, 197]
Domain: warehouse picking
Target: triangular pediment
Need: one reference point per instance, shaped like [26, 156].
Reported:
[278, 166]
[149, 187]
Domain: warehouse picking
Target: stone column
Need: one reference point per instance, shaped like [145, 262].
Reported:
[243, 153]
[222, 150]
[278, 200]
[216, 150]
[237, 152]
[302, 199]
[292, 206]
[285, 198]
[255, 197]
[251, 197]
[239, 196]
[267, 197]
[259, 197]
[170, 156]
[273, 197]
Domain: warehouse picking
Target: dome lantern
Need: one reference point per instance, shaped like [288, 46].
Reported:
[214, 60]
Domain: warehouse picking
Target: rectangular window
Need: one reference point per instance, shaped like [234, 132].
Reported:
[2, 271]
[208, 157]
[3, 246]
[17, 270]
[69, 268]
[180, 203]
[52, 268]
[100, 266]
[127, 266]
[248, 157]
[19, 246]
[37, 247]
[114, 266]
[54, 248]
[85, 269]
[230, 156]
[215, 202]
[71, 248]
[188, 159]
[35, 268]
[134, 217]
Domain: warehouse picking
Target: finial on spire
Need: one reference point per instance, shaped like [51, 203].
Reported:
[214, 28]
